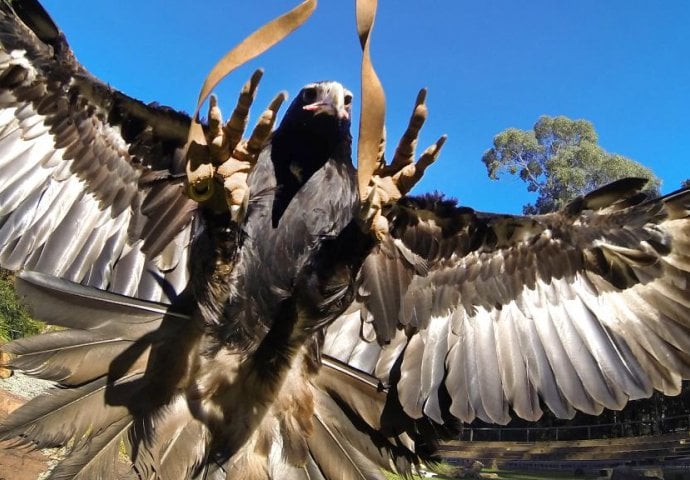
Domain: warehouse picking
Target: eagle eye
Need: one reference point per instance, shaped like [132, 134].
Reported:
[309, 94]
[348, 99]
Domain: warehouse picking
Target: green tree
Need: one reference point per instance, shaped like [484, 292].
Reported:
[559, 159]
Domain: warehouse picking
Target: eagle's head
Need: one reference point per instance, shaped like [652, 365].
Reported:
[322, 108]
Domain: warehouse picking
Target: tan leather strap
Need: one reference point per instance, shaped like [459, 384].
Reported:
[198, 165]
[373, 103]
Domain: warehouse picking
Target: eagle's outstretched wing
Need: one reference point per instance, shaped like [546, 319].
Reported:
[91, 180]
[467, 315]
[457, 314]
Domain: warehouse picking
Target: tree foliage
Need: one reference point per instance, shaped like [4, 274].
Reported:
[559, 159]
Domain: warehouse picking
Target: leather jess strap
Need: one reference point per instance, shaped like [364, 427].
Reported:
[373, 103]
[199, 169]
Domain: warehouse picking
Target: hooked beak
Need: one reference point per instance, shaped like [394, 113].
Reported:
[328, 98]
[329, 109]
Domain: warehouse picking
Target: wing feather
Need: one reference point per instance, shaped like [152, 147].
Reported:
[410, 383]
[52, 420]
[514, 364]
[76, 158]
[583, 309]
[432, 366]
[486, 358]
[96, 457]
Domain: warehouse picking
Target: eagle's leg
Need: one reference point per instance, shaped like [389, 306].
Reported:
[391, 182]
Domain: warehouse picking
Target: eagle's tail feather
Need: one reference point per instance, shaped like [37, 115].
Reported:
[117, 363]
[169, 444]
[121, 366]
[334, 444]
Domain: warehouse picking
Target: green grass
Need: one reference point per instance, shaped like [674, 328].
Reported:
[507, 475]
[495, 474]
[15, 321]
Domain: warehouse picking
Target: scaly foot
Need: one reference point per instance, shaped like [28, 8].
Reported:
[391, 182]
[230, 156]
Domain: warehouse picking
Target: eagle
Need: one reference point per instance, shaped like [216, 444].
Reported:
[312, 332]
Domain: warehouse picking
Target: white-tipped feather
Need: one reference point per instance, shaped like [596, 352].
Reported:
[457, 384]
[433, 366]
[411, 397]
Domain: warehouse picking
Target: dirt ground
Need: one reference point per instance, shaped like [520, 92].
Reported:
[24, 464]
[18, 464]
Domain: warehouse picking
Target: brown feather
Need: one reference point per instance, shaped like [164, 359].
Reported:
[61, 415]
[95, 459]
[94, 140]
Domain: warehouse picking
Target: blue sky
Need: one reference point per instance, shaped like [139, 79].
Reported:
[488, 66]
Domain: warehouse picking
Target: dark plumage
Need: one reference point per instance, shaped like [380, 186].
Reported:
[117, 179]
[297, 344]
[304, 197]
